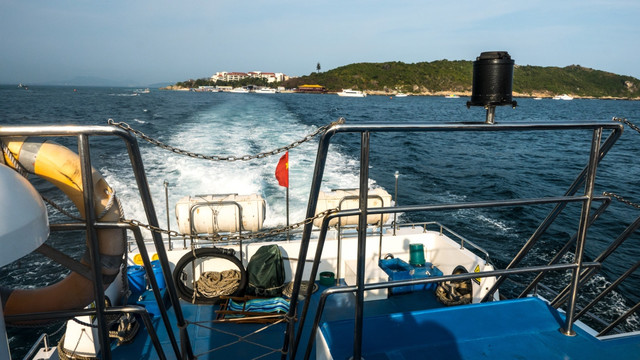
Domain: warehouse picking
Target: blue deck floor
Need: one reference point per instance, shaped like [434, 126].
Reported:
[399, 328]
[512, 329]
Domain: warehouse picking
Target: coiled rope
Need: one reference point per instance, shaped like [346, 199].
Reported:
[213, 283]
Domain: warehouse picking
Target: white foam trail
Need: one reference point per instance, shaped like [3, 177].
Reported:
[496, 224]
[236, 128]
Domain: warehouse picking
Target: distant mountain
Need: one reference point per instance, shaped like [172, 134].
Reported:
[86, 81]
[159, 85]
[445, 76]
[98, 81]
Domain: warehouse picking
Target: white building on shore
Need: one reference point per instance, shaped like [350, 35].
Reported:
[235, 76]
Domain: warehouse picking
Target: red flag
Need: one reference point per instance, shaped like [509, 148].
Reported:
[282, 170]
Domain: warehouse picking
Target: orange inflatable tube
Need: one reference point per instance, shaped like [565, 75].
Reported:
[61, 166]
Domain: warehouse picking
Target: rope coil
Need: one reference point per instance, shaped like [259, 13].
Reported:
[213, 283]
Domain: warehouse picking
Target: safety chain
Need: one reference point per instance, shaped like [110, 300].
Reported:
[261, 155]
[628, 123]
[236, 237]
[621, 199]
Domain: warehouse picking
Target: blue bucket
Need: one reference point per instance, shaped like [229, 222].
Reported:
[157, 273]
[137, 283]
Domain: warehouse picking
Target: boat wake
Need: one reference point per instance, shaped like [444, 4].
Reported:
[260, 126]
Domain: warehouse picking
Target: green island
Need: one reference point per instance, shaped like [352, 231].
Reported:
[454, 77]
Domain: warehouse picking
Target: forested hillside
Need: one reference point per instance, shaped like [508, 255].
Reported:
[444, 76]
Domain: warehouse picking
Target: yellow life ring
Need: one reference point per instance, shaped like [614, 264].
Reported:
[61, 166]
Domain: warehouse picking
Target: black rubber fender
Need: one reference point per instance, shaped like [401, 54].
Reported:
[186, 293]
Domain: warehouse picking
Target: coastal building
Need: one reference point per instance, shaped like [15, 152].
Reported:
[236, 76]
[313, 89]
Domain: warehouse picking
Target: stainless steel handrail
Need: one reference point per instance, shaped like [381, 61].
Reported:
[115, 310]
[195, 206]
[32, 351]
[147, 265]
[597, 152]
[352, 197]
[415, 208]
[82, 133]
[442, 228]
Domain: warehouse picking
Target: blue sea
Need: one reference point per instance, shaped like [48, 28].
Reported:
[433, 168]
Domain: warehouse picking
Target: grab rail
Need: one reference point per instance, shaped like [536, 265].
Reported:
[442, 229]
[353, 197]
[82, 134]
[587, 176]
[32, 351]
[210, 204]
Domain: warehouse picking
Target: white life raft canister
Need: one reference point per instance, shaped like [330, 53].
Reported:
[334, 199]
[209, 214]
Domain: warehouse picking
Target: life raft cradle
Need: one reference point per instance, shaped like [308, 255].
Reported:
[92, 226]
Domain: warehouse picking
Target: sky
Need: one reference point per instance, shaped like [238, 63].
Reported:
[144, 42]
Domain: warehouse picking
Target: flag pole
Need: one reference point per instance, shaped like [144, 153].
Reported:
[288, 213]
[282, 175]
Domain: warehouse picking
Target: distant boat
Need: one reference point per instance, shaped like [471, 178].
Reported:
[401, 95]
[142, 91]
[352, 93]
[562, 97]
[265, 91]
[239, 90]
[452, 96]
[537, 98]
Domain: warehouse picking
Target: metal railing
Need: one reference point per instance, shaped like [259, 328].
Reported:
[340, 228]
[586, 178]
[92, 224]
[580, 269]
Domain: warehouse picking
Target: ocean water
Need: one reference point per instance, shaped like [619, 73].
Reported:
[433, 167]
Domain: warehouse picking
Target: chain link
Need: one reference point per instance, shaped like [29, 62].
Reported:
[235, 237]
[621, 199]
[628, 123]
[261, 155]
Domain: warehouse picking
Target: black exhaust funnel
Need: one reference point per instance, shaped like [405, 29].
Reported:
[492, 82]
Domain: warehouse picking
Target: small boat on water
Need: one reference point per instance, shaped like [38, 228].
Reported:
[563, 97]
[353, 283]
[401, 95]
[352, 93]
[452, 96]
[239, 90]
[265, 91]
